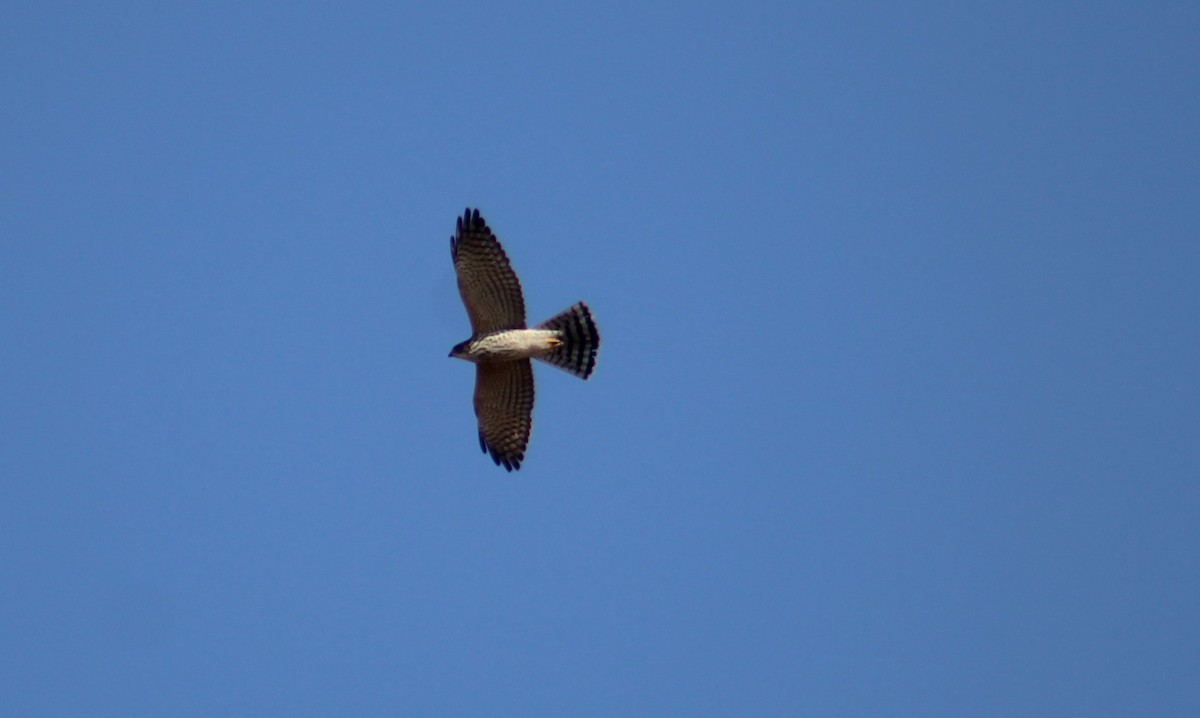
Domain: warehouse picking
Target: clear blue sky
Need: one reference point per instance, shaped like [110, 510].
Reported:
[897, 411]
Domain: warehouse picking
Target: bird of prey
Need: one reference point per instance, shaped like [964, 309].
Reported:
[501, 346]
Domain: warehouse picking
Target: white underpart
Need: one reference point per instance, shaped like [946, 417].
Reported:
[513, 344]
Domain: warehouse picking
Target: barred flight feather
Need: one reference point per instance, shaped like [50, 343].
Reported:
[581, 341]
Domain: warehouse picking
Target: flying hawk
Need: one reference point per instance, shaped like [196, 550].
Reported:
[501, 346]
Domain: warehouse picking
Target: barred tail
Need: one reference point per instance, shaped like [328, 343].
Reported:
[580, 338]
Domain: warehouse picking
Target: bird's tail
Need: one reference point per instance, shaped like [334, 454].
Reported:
[580, 341]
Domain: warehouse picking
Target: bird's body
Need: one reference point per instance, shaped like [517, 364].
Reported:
[509, 344]
[501, 346]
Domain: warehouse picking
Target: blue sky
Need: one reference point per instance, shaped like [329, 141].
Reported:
[896, 411]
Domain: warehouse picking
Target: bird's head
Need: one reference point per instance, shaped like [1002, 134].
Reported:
[460, 350]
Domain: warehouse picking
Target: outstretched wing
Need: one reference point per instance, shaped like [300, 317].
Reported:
[488, 285]
[504, 407]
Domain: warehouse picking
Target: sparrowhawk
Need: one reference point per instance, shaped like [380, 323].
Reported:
[501, 346]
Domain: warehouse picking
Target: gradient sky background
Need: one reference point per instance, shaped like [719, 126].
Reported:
[897, 411]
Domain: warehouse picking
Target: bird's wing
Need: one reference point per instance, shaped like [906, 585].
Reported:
[489, 287]
[504, 407]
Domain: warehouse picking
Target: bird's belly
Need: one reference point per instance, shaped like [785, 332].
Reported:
[514, 344]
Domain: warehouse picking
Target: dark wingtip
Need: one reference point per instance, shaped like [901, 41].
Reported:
[471, 219]
[468, 220]
[510, 463]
